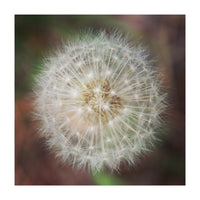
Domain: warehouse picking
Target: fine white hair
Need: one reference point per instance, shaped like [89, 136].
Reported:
[98, 101]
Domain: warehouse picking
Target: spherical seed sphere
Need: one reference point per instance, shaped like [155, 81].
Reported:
[98, 101]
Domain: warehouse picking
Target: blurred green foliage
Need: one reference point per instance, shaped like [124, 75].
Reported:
[103, 178]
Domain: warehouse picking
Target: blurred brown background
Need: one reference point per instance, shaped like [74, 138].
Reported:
[36, 35]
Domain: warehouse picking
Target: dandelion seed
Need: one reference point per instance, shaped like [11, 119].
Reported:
[108, 72]
[89, 109]
[97, 90]
[113, 92]
[126, 81]
[110, 123]
[68, 79]
[99, 102]
[106, 107]
[74, 93]
[90, 75]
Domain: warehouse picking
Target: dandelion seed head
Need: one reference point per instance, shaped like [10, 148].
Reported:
[98, 102]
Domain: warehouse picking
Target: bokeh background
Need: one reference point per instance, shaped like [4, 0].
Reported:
[36, 35]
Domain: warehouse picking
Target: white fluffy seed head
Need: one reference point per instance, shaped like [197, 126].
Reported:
[98, 101]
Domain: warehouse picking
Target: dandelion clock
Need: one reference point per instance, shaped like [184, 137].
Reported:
[98, 101]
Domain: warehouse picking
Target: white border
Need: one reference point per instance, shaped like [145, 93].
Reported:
[8, 9]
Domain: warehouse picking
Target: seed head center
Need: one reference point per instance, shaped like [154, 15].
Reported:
[100, 100]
